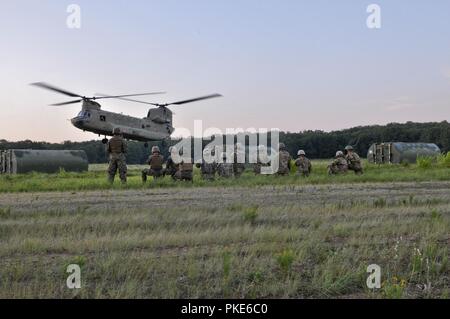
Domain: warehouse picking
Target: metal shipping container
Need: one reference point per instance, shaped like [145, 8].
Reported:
[399, 152]
[45, 161]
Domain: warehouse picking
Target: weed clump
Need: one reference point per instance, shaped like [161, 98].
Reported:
[379, 203]
[250, 214]
[444, 160]
[425, 162]
[285, 260]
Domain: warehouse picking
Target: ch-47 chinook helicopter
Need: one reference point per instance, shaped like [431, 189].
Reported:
[156, 126]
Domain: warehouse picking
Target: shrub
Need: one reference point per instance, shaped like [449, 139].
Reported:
[250, 214]
[424, 162]
[285, 260]
[379, 203]
[444, 160]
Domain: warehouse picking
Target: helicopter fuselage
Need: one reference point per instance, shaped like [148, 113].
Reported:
[156, 126]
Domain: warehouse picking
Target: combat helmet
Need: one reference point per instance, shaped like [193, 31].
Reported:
[117, 131]
[155, 149]
[301, 152]
[349, 148]
[281, 146]
[339, 154]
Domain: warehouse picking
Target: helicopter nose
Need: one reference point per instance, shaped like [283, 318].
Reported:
[77, 122]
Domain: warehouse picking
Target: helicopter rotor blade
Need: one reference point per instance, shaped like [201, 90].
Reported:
[122, 97]
[195, 99]
[50, 87]
[130, 100]
[66, 103]
[106, 96]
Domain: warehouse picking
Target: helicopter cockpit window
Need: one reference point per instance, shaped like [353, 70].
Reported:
[84, 114]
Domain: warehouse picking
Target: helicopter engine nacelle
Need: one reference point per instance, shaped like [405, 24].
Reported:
[90, 105]
[161, 115]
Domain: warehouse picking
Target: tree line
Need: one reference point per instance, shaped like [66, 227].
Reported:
[317, 144]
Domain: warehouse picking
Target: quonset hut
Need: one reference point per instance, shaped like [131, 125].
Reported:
[44, 161]
[399, 152]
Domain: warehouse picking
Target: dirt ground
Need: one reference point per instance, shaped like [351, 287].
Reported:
[218, 196]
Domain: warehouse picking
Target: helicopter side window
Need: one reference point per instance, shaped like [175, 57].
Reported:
[102, 118]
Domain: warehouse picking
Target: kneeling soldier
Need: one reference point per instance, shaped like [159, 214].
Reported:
[224, 169]
[353, 160]
[171, 167]
[155, 161]
[184, 172]
[303, 164]
[208, 170]
[339, 164]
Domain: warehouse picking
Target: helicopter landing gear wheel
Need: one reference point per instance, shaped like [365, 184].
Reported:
[105, 140]
[145, 144]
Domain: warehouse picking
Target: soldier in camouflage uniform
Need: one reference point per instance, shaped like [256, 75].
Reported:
[184, 172]
[116, 150]
[155, 161]
[261, 160]
[339, 164]
[224, 169]
[303, 164]
[208, 170]
[171, 167]
[353, 160]
[284, 165]
[238, 168]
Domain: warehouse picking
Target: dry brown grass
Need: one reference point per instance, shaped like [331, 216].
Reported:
[268, 241]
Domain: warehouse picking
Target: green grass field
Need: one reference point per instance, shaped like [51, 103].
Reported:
[256, 237]
[95, 179]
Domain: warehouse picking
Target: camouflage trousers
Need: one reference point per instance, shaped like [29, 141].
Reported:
[238, 169]
[283, 171]
[335, 169]
[257, 167]
[171, 172]
[183, 176]
[208, 176]
[117, 162]
[156, 173]
[356, 167]
[303, 172]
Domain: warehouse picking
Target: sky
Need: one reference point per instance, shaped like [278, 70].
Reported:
[292, 65]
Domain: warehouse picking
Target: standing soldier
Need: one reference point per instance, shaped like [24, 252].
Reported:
[339, 164]
[284, 160]
[208, 170]
[116, 150]
[225, 169]
[238, 168]
[155, 161]
[353, 160]
[171, 167]
[303, 164]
